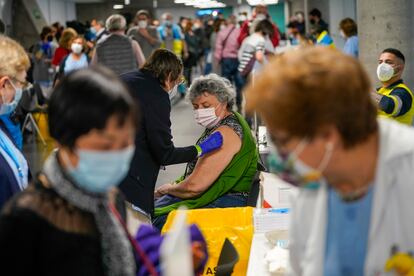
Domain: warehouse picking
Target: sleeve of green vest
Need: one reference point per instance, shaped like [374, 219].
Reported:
[398, 103]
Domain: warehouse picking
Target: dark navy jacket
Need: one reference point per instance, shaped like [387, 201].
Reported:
[153, 141]
[8, 182]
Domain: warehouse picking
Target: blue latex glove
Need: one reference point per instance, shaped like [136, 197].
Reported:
[213, 142]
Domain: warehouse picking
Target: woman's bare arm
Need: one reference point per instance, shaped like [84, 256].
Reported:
[208, 168]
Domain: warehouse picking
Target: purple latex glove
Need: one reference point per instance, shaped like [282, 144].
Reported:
[213, 142]
[150, 239]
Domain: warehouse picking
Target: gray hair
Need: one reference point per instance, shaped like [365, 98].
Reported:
[166, 15]
[213, 85]
[100, 22]
[115, 22]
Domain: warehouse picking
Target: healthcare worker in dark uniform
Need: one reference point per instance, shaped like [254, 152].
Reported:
[152, 86]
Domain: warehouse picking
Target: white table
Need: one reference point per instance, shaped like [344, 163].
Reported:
[257, 264]
[278, 194]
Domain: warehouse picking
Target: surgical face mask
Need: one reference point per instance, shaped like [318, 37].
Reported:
[76, 48]
[93, 30]
[385, 72]
[206, 117]
[242, 18]
[291, 169]
[168, 23]
[342, 34]
[260, 17]
[99, 171]
[8, 108]
[142, 24]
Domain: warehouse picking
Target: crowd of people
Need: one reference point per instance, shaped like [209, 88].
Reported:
[108, 91]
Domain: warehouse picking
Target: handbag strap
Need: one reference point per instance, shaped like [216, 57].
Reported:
[137, 248]
[225, 40]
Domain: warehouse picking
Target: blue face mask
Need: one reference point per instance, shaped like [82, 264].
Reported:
[99, 171]
[293, 170]
[92, 30]
[8, 108]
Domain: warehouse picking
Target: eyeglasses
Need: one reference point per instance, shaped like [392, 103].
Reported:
[23, 84]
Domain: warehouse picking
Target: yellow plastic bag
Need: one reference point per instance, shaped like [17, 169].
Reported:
[236, 224]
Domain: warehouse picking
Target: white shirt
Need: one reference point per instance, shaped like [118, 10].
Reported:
[392, 217]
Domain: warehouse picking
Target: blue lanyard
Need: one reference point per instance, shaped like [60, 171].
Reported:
[12, 156]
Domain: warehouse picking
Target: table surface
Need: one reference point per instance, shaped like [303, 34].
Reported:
[257, 264]
[280, 195]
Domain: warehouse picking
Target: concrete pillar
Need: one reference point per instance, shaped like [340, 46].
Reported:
[383, 24]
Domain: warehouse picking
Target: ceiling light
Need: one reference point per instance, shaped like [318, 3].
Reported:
[262, 2]
[212, 4]
[118, 7]
[127, 2]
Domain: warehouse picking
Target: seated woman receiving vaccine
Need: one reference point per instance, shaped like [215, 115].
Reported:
[222, 178]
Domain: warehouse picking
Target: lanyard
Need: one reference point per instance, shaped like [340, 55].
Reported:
[12, 156]
[141, 253]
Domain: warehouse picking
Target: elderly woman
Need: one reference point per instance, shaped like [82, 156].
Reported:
[14, 169]
[353, 215]
[221, 178]
[63, 223]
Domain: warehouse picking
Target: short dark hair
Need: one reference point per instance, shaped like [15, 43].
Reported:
[84, 100]
[395, 52]
[163, 64]
[265, 27]
[316, 12]
[292, 25]
[45, 31]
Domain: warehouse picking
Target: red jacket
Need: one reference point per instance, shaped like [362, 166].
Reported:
[60, 53]
[244, 32]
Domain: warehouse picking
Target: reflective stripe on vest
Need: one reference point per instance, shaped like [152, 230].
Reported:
[407, 118]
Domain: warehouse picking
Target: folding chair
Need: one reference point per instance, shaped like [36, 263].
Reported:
[32, 105]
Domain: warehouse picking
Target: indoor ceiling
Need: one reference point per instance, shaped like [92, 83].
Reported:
[160, 3]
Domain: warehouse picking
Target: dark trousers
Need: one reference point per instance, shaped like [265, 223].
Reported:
[229, 71]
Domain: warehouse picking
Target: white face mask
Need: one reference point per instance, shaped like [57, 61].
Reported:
[260, 17]
[206, 117]
[342, 34]
[76, 48]
[385, 72]
[142, 24]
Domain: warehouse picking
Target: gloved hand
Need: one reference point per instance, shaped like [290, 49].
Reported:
[213, 142]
